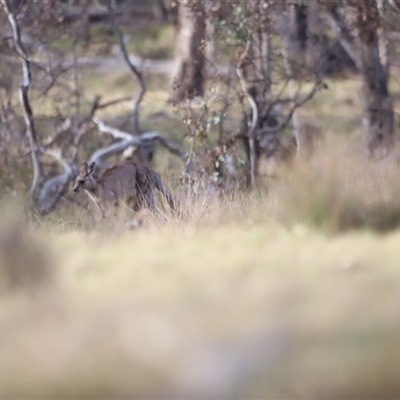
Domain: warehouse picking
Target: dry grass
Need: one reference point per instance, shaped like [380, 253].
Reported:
[243, 297]
[206, 309]
[339, 190]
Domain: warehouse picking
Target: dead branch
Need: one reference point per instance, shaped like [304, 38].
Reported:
[113, 102]
[61, 129]
[254, 107]
[295, 106]
[344, 35]
[394, 5]
[295, 102]
[24, 99]
[138, 74]
[61, 181]
[130, 140]
[115, 133]
[58, 157]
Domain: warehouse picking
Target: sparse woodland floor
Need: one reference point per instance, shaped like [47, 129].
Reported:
[292, 291]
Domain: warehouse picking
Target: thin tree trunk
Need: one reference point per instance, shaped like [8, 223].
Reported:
[188, 73]
[210, 33]
[292, 93]
[378, 120]
[24, 100]
[286, 46]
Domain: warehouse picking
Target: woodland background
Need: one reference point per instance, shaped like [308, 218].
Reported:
[275, 124]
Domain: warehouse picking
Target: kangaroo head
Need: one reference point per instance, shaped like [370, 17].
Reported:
[85, 179]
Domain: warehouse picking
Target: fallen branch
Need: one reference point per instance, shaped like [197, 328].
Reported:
[130, 140]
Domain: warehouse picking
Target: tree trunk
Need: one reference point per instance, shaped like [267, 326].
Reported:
[210, 32]
[289, 43]
[26, 84]
[256, 82]
[383, 39]
[378, 119]
[320, 43]
[292, 27]
[188, 73]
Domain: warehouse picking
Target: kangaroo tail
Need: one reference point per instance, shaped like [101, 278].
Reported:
[160, 185]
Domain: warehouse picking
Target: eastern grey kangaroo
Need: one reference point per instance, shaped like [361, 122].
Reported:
[125, 180]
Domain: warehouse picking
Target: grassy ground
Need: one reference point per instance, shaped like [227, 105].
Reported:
[289, 292]
[241, 309]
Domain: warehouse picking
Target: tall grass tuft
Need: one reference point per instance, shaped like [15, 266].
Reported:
[339, 191]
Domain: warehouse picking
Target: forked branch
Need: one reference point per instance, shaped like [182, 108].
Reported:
[130, 140]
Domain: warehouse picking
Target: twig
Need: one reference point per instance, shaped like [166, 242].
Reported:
[113, 102]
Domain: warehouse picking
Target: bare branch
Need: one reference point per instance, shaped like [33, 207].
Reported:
[58, 157]
[295, 105]
[344, 35]
[61, 129]
[61, 181]
[394, 5]
[138, 74]
[254, 107]
[116, 133]
[130, 140]
[113, 102]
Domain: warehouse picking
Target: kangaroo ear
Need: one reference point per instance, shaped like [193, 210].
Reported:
[84, 168]
[92, 167]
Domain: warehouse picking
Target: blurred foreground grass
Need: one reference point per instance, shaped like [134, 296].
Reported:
[239, 310]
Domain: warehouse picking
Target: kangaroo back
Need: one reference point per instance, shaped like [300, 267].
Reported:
[124, 180]
[147, 181]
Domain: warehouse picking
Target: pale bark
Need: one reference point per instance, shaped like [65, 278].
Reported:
[24, 98]
[188, 71]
